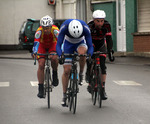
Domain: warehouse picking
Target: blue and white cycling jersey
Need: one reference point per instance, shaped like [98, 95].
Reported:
[68, 41]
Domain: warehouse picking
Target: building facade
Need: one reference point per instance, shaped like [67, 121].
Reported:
[14, 12]
[129, 19]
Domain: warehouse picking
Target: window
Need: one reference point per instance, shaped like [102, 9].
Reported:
[143, 15]
[35, 26]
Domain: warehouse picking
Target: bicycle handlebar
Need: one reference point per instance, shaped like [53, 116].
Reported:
[41, 54]
[110, 54]
[45, 54]
[75, 54]
[98, 52]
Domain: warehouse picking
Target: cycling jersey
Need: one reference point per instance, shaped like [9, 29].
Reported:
[99, 36]
[44, 41]
[47, 40]
[71, 44]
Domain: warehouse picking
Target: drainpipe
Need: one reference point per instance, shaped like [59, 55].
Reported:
[61, 9]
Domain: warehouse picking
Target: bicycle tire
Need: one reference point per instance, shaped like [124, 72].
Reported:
[93, 91]
[75, 90]
[99, 87]
[47, 87]
[71, 91]
[70, 94]
[73, 98]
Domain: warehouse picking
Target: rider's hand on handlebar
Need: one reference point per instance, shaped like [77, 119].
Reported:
[33, 55]
[61, 59]
[110, 55]
[89, 59]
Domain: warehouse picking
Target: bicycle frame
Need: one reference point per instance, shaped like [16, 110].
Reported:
[96, 83]
[73, 89]
[47, 75]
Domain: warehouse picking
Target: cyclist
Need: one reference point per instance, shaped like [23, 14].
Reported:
[102, 40]
[45, 40]
[75, 36]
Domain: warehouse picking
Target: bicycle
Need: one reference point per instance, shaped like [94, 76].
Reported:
[73, 86]
[95, 80]
[47, 75]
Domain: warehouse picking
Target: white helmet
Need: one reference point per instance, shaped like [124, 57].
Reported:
[99, 14]
[46, 21]
[75, 28]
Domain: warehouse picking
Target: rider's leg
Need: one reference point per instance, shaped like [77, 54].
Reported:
[54, 64]
[65, 80]
[88, 67]
[103, 76]
[65, 77]
[40, 75]
[54, 61]
[82, 49]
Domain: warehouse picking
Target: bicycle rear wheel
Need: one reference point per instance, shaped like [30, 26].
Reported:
[94, 96]
[47, 86]
[99, 87]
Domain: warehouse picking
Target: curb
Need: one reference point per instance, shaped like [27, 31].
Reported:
[131, 54]
[26, 55]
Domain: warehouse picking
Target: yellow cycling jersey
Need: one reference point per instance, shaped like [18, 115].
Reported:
[46, 39]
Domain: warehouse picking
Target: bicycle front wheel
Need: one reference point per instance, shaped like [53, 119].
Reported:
[74, 90]
[47, 86]
[93, 88]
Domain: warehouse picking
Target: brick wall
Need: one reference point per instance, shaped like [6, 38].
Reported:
[141, 43]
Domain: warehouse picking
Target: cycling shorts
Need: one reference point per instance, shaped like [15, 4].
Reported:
[43, 48]
[70, 48]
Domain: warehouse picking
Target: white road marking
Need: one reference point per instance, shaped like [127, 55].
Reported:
[4, 84]
[34, 83]
[131, 83]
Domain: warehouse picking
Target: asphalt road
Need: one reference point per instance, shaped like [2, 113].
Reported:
[127, 87]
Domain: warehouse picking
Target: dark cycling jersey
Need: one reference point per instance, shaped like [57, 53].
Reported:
[100, 35]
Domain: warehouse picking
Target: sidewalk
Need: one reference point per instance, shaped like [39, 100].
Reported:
[137, 54]
[15, 54]
[120, 58]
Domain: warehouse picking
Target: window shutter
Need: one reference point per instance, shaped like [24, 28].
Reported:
[143, 15]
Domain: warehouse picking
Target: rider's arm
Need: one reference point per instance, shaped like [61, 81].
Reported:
[56, 33]
[88, 39]
[36, 41]
[109, 40]
[60, 40]
[55, 30]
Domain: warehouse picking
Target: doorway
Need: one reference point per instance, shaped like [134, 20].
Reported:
[121, 25]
